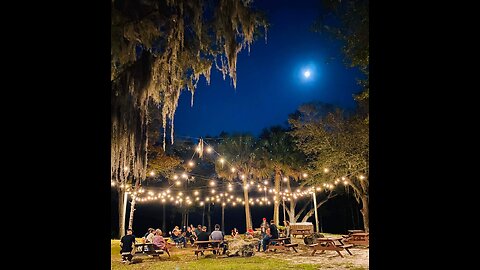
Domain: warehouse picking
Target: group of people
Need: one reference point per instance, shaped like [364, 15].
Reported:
[128, 241]
[192, 234]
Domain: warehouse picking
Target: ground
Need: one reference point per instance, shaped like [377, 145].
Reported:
[184, 259]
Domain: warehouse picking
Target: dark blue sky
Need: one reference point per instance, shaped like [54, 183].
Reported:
[270, 84]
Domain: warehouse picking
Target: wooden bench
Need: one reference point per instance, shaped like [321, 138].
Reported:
[330, 244]
[280, 244]
[213, 245]
[358, 239]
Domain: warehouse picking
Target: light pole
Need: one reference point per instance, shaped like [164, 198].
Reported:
[315, 207]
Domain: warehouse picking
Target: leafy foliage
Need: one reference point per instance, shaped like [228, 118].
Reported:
[160, 48]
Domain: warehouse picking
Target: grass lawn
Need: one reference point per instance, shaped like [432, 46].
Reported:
[184, 259]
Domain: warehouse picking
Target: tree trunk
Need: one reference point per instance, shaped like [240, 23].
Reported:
[208, 218]
[122, 209]
[163, 221]
[293, 204]
[223, 218]
[132, 210]
[248, 217]
[276, 203]
[365, 212]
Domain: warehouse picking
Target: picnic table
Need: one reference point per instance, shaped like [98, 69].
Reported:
[280, 243]
[303, 232]
[330, 243]
[148, 249]
[211, 245]
[359, 238]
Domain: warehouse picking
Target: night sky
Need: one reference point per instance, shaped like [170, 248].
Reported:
[270, 81]
[270, 86]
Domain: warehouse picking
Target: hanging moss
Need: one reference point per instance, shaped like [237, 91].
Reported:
[160, 48]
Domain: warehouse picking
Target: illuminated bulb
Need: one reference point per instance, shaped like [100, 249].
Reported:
[232, 169]
[212, 183]
[326, 170]
[319, 188]
[195, 193]
[184, 175]
[207, 199]
[345, 183]
[178, 183]
[286, 190]
[222, 160]
[218, 200]
[176, 202]
[221, 194]
[209, 149]
[304, 175]
[266, 182]
[168, 190]
[213, 191]
[163, 200]
[201, 203]
[150, 193]
[122, 186]
[243, 176]
[362, 177]
[191, 163]
[180, 193]
[175, 177]
[152, 173]
[125, 169]
[234, 203]
[261, 203]
[298, 190]
[251, 182]
[285, 179]
[197, 199]
[223, 204]
[113, 184]
[343, 178]
[171, 199]
[228, 200]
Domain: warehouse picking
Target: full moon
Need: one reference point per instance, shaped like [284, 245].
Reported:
[307, 74]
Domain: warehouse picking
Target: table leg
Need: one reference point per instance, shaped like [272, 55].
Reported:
[339, 253]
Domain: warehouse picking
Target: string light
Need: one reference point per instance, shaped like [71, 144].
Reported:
[265, 182]
[222, 160]
[326, 170]
[184, 175]
[362, 177]
[178, 183]
[232, 169]
[191, 163]
[285, 179]
[201, 203]
[212, 183]
[125, 169]
[243, 176]
[209, 149]
[152, 173]
[305, 175]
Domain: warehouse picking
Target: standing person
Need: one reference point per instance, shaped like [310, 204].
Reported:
[263, 230]
[218, 235]
[126, 243]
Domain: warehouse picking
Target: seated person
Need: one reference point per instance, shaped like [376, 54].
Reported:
[178, 238]
[126, 243]
[250, 233]
[234, 232]
[189, 235]
[158, 240]
[218, 235]
[203, 236]
[271, 233]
